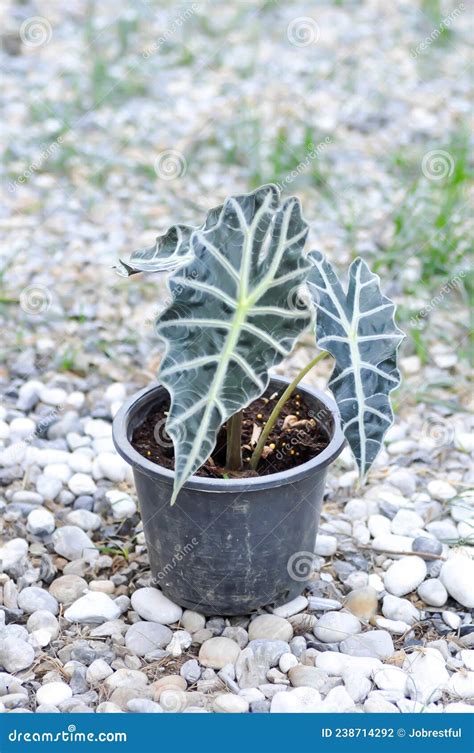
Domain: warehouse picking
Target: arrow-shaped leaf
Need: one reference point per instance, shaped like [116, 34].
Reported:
[233, 318]
[170, 251]
[359, 330]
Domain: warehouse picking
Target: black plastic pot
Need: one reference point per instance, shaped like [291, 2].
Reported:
[229, 547]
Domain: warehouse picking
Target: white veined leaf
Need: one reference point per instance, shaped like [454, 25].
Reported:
[171, 250]
[359, 330]
[232, 318]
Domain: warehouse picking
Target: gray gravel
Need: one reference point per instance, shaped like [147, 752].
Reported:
[387, 621]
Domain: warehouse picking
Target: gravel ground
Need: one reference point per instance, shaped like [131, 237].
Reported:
[118, 127]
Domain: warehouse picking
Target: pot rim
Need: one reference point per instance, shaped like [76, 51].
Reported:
[200, 483]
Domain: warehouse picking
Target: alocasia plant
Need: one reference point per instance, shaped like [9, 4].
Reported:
[233, 318]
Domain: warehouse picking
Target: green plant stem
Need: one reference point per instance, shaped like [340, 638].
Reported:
[272, 419]
[234, 442]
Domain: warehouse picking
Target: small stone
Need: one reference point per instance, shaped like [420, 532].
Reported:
[392, 544]
[153, 606]
[40, 522]
[407, 523]
[287, 661]
[43, 620]
[108, 708]
[237, 634]
[81, 483]
[291, 607]
[321, 604]
[104, 586]
[390, 678]
[228, 703]
[461, 684]
[400, 609]
[441, 490]
[122, 504]
[72, 543]
[433, 592]
[397, 627]
[271, 627]
[379, 706]
[467, 657]
[92, 608]
[48, 487]
[15, 654]
[357, 686]
[457, 576]
[424, 545]
[144, 706]
[256, 659]
[334, 627]
[427, 675]
[325, 546]
[98, 671]
[337, 701]
[217, 652]
[451, 619]
[375, 643]
[68, 588]
[191, 671]
[336, 664]
[144, 637]
[170, 681]
[192, 621]
[362, 602]
[53, 693]
[378, 525]
[180, 641]
[405, 575]
[124, 677]
[85, 519]
[445, 530]
[309, 677]
[297, 701]
[34, 598]
[111, 466]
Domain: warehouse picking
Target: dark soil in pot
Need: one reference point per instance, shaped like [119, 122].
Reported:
[297, 437]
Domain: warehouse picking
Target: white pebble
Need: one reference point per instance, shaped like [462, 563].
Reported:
[325, 546]
[457, 576]
[441, 490]
[405, 575]
[433, 592]
[53, 693]
[40, 522]
[81, 483]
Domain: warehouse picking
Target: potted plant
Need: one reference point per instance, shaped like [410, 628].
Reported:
[230, 462]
